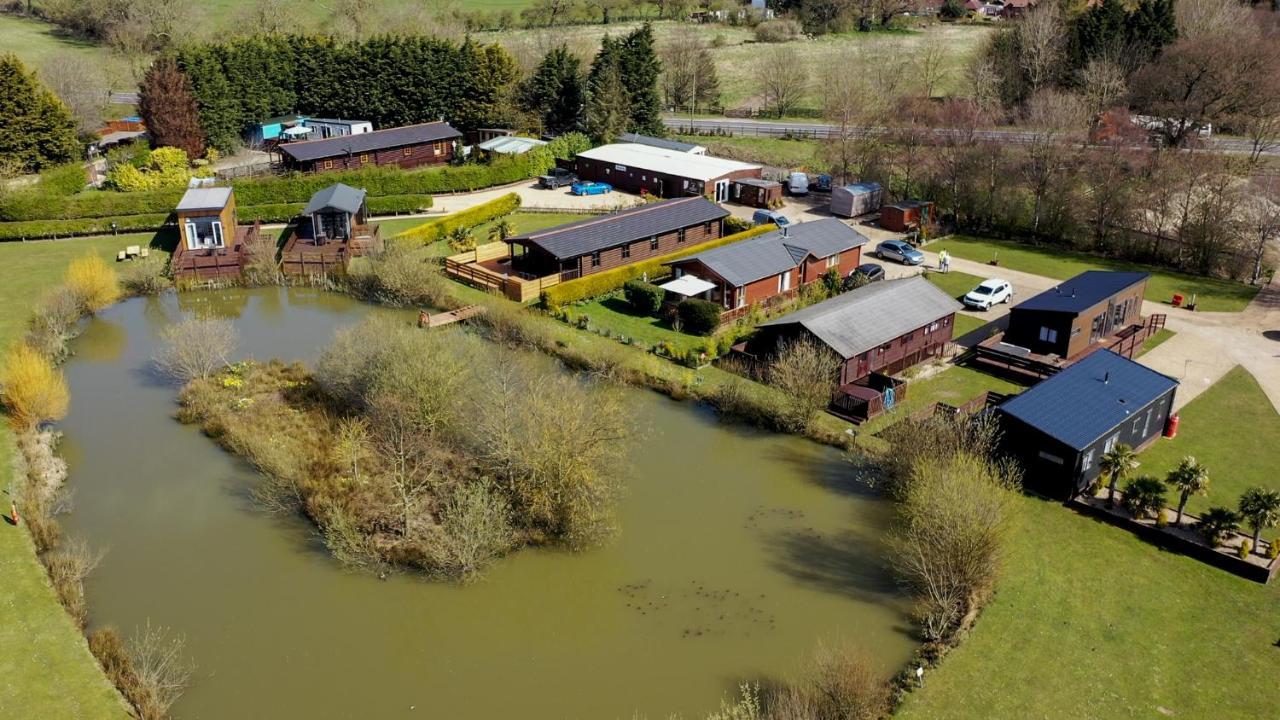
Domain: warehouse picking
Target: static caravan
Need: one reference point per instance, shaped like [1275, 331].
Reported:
[856, 199]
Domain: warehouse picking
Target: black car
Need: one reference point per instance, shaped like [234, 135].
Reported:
[557, 178]
[863, 275]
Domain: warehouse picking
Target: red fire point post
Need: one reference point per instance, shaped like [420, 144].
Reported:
[13, 513]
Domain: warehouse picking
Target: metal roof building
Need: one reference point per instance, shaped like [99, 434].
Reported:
[343, 198]
[663, 143]
[872, 315]
[749, 260]
[1082, 291]
[670, 162]
[204, 198]
[598, 233]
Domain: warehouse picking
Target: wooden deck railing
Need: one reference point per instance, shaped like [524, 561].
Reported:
[467, 268]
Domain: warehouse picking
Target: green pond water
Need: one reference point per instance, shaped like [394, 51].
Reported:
[739, 552]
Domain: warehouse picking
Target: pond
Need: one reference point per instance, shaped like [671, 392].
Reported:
[738, 552]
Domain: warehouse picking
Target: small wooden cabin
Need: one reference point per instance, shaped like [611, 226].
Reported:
[906, 215]
[210, 245]
[756, 192]
[1087, 309]
[332, 229]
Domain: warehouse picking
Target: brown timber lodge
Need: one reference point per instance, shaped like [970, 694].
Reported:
[407, 147]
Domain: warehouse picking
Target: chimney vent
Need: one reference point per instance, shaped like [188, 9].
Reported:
[1106, 377]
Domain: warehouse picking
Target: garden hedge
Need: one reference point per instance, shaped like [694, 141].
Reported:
[433, 230]
[699, 316]
[37, 229]
[610, 280]
[645, 298]
[293, 188]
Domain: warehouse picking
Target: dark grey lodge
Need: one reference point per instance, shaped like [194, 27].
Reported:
[1061, 428]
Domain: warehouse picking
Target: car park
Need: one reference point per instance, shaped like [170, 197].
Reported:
[764, 217]
[988, 293]
[557, 178]
[900, 251]
[590, 187]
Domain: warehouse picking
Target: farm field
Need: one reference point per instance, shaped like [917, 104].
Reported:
[36, 43]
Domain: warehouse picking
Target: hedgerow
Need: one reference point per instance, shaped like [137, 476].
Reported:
[438, 229]
[610, 280]
[36, 229]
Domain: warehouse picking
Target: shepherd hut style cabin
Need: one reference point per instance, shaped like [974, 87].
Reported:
[876, 330]
[661, 171]
[1060, 428]
[775, 264]
[409, 146]
[210, 244]
[333, 229]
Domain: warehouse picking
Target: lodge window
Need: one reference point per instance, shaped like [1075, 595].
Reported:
[408, 152]
[595, 259]
[653, 243]
[1136, 423]
[706, 227]
[1050, 457]
[833, 261]
[680, 235]
[1086, 461]
[907, 338]
[364, 158]
[626, 251]
[328, 164]
[1110, 444]
[1048, 335]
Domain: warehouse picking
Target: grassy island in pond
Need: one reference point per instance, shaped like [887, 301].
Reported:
[442, 466]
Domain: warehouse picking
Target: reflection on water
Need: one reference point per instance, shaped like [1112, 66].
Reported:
[739, 550]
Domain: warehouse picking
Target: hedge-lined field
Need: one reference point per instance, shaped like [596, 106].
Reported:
[438, 229]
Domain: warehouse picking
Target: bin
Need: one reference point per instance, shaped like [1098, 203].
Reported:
[1171, 427]
[1177, 300]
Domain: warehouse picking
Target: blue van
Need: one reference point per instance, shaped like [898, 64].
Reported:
[762, 217]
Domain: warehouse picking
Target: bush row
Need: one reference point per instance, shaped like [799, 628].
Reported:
[610, 280]
[438, 229]
[294, 188]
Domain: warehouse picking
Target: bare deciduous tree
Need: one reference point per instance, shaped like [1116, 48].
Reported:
[805, 371]
[405, 449]
[783, 80]
[1200, 18]
[79, 83]
[1042, 44]
[931, 63]
[196, 348]
[162, 669]
[1103, 84]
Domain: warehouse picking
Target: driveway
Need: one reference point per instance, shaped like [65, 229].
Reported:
[532, 196]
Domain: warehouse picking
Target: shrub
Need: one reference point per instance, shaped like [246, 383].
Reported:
[439, 229]
[146, 276]
[1245, 548]
[68, 566]
[62, 180]
[160, 671]
[92, 282]
[1273, 550]
[700, 317]
[644, 298]
[196, 348]
[55, 321]
[402, 276]
[598, 284]
[734, 225]
[33, 390]
[831, 282]
[805, 371]
[846, 685]
[778, 31]
[1144, 496]
[166, 167]
[1216, 524]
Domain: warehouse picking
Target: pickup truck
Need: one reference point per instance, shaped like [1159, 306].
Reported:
[557, 178]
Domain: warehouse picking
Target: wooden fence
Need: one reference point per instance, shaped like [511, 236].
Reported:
[467, 268]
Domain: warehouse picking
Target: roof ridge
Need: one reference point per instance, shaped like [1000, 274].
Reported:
[607, 216]
[296, 143]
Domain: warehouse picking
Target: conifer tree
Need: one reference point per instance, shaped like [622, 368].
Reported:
[36, 128]
[555, 92]
[168, 107]
[607, 115]
[639, 67]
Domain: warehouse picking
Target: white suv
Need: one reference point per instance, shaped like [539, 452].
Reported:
[988, 293]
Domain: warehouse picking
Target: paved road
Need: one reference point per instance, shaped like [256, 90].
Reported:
[780, 128]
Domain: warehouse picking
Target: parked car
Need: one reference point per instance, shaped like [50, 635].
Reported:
[900, 251]
[798, 183]
[557, 178]
[988, 293]
[590, 187]
[821, 184]
[873, 271]
[762, 217]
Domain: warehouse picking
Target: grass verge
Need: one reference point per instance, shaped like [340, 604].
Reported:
[955, 386]
[1212, 294]
[1233, 430]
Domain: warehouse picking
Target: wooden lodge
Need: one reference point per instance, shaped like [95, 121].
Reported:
[211, 246]
[1094, 310]
[774, 265]
[526, 264]
[332, 229]
[876, 331]
[407, 147]
[663, 172]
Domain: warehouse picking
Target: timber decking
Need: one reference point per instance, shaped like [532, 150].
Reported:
[304, 256]
[215, 263]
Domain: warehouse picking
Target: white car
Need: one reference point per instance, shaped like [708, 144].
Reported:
[988, 293]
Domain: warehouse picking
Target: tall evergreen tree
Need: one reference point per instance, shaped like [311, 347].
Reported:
[640, 68]
[36, 128]
[168, 107]
[555, 92]
[607, 115]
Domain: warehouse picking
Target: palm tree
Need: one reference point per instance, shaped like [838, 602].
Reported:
[1216, 523]
[461, 240]
[1144, 496]
[1189, 478]
[1117, 465]
[501, 230]
[1260, 508]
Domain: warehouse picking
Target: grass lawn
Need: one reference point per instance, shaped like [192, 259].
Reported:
[955, 386]
[796, 154]
[45, 666]
[612, 313]
[1233, 430]
[1151, 343]
[522, 222]
[1213, 294]
[966, 324]
[955, 284]
[1091, 623]
[37, 43]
